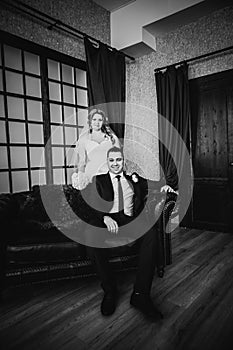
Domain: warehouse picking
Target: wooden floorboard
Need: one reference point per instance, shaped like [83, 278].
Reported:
[195, 296]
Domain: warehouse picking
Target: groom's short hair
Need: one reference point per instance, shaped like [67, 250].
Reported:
[115, 149]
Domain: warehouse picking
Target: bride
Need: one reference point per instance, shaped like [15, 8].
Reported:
[91, 149]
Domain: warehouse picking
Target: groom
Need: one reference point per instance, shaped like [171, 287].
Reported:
[120, 200]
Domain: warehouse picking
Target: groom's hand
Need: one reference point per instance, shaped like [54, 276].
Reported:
[167, 188]
[111, 224]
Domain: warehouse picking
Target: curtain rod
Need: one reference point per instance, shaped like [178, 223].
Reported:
[194, 58]
[56, 23]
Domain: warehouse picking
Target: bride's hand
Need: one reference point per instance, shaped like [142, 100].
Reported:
[79, 180]
[74, 180]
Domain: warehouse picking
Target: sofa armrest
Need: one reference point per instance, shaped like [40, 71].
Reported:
[155, 203]
[160, 206]
[165, 226]
[160, 202]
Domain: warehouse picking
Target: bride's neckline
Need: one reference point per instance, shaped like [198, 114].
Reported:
[105, 138]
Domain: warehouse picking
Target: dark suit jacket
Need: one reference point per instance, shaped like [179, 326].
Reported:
[102, 193]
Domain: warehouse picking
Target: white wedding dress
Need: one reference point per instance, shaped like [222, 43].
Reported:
[93, 156]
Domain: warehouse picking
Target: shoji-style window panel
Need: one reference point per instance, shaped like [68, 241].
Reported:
[43, 108]
[13, 57]
[55, 113]
[57, 137]
[38, 177]
[34, 110]
[70, 135]
[55, 91]
[2, 109]
[65, 106]
[37, 156]
[33, 87]
[82, 116]
[3, 158]
[18, 157]
[81, 77]
[70, 115]
[82, 97]
[58, 176]
[36, 134]
[67, 74]
[53, 69]
[58, 156]
[17, 132]
[20, 180]
[1, 84]
[21, 118]
[14, 83]
[32, 63]
[2, 131]
[15, 108]
[68, 94]
[4, 182]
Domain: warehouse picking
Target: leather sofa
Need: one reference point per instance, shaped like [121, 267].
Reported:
[34, 248]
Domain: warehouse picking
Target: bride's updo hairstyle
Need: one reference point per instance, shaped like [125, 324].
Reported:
[105, 127]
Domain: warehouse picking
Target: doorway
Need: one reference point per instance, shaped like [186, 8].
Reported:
[211, 99]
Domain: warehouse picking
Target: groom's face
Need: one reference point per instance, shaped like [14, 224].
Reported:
[115, 162]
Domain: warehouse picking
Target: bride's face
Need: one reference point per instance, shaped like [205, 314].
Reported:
[97, 122]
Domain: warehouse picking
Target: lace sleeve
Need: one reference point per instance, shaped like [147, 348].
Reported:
[80, 159]
[79, 179]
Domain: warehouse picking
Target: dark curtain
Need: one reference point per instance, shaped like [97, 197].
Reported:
[106, 83]
[172, 88]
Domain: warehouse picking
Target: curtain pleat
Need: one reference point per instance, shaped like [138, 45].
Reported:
[172, 89]
[106, 83]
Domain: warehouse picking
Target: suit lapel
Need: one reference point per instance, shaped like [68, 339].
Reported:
[107, 192]
[105, 189]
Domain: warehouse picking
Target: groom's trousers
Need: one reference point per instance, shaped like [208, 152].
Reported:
[146, 257]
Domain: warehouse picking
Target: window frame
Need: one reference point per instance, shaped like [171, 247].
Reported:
[44, 55]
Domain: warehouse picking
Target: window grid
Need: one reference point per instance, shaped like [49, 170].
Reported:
[6, 122]
[64, 124]
[63, 119]
[26, 144]
[26, 120]
[27, 94]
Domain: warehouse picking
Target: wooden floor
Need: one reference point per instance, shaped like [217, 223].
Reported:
[195, 296]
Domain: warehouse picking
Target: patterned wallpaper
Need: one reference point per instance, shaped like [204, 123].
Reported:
[209, 33]
[83, 15]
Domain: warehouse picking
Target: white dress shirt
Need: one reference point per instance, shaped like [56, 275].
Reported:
[127, 194]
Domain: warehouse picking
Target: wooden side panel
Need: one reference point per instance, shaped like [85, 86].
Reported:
[212, 132]
[211, 150]
[210, 204]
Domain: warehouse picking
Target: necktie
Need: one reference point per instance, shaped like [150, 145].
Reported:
[120, 194]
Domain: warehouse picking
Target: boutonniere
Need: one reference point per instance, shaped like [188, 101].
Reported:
[134, 178]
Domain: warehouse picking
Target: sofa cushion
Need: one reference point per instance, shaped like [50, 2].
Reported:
[58, 202]
[59, 252]
[8, 206]
[45, 253]
[31, 206]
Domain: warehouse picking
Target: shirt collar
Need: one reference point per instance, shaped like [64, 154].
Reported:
[113, 176]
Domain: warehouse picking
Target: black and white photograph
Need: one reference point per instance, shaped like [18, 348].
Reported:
[116, 174]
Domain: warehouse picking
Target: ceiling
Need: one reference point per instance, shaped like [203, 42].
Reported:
[113, 5]
[135, 24]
